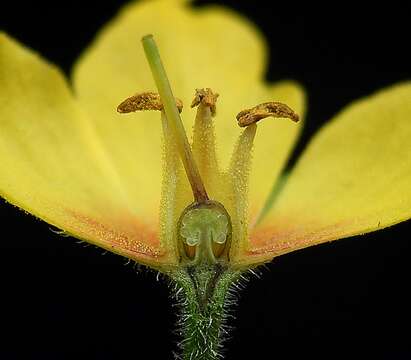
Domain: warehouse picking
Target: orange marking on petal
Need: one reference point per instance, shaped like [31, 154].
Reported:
[271, 241]
[127, 236]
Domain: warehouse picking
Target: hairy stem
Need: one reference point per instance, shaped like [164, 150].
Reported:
[204, 294]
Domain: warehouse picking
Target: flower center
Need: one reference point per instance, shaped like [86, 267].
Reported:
[205, 225]
[207, 232]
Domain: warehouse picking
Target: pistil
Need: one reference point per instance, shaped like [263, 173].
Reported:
[173, 117]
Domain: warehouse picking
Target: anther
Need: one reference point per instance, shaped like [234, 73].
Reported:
[207, 98]
[259, 112]
[144, 101]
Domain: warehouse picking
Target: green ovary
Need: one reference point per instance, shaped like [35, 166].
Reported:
[204, 225]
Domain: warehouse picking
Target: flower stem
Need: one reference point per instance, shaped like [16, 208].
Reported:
[203, 292]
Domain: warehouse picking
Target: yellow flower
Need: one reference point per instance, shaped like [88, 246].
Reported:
[118, 181]
[68, 158]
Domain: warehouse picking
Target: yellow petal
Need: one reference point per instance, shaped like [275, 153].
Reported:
[207, 47]
[53, 165]
[353, 178]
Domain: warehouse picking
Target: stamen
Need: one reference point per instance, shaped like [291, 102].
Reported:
[173, 117]
[207, 98]
[239, 170]
[145, 101]
[259, 112]
[204, 138]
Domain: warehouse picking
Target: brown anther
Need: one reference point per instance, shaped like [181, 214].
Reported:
[144, 101]
[259, 112]
[205, 97]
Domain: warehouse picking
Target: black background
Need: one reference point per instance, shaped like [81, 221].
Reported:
[349, 299]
